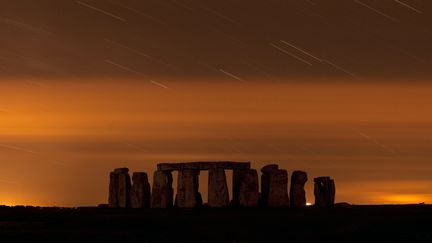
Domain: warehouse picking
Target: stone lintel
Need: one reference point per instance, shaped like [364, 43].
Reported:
[227, 165]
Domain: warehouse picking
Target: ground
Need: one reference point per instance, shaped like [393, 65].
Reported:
[409, 223]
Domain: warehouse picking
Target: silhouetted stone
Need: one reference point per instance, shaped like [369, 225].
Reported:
[187, 189]
[124, 190]
[119, 188]
[236, 180]
[121, 170]
[140, 193]
[324, 191]
[217, 188]
[274, 186]
[248, 188]
[269, 168]
[265, 181]
[229, 165]
[278, 193]
[113, 200]
[343, 205]
[162, 190]
[297, 191]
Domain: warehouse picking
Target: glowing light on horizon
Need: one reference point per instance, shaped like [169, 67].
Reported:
[405, 198]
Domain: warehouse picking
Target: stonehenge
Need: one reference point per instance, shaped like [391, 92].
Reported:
[245, 187]
[324, 191]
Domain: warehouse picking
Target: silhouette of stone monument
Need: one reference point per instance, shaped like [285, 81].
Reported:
[274, 187]
[188, 183]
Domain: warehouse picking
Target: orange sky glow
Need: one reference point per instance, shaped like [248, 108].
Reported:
[60, 139]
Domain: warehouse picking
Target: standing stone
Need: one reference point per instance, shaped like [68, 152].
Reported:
[248, 188]
[278, 193]
[297, 191]
[119, 188]
[324, 191]
[113, 201]
[124, 190]
[162, 190]
[274, 186]
[268, 169]
[187, 189]
[217, 188]
[237, 174]
[140, 193]
[265, 181]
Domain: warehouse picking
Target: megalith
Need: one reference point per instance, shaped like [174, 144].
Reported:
[140, 192]
[119, 188]
[274, 186]
[188, 195]
[217, 188]
[113, 200]
[162, 190]
[236, 181]
[248, 194]
[297, 191]
[265, 180]
[324, 191]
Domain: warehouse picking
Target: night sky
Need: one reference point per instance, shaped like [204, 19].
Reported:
[339, 88]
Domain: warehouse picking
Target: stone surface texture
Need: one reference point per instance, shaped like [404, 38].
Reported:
[218, 195]
[274, 186]
[119, 188]
[188, 195]
[140, 192]
[162, 190]
[248, 189]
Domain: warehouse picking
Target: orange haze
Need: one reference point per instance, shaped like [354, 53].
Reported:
[59, 140]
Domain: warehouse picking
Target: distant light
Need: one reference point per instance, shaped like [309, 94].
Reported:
[308, 204]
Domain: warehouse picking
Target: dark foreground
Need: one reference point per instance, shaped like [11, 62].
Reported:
[353, 224]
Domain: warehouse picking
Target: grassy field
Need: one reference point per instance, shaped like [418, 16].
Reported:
[409, 223]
